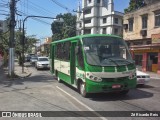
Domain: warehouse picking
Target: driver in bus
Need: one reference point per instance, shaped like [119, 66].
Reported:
[104, 51]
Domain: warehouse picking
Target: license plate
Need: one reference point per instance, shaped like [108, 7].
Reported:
[141, 81]
[116, 86]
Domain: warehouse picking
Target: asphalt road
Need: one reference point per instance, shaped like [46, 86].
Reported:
[42, 92]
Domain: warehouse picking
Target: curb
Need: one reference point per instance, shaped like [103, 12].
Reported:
[25, 76]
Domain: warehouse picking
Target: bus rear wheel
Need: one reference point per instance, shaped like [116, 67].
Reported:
[82, 89]
[58, 79]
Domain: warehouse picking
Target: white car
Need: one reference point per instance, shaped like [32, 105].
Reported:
[33, 60]
[42, 63]
[142, 78]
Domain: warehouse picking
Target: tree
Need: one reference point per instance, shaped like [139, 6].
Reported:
[134, 5]
[4, 46]
[66, 29]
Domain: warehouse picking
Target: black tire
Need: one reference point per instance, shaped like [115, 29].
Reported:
[58, 79]
[124, 92]
[82, 89]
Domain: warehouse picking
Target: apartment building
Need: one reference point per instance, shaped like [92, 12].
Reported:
[98, 17]
[141, 30]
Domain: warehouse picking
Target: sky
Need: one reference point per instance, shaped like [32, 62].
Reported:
[46, 8]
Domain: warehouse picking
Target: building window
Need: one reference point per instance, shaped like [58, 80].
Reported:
[116, 31]
[144, 22]
[87, 21]
[157, 19]
[89, 1]
[104, 20]
[0, 24]
[104, 31]
[80, 24]
[130, 24]
[87, 31]
[98, 1]
[87, 11]
[116, 20]
[148, 42]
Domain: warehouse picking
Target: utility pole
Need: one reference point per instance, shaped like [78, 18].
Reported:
[82, 13]
[11, 39]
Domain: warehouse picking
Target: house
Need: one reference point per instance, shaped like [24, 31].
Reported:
[141, 30]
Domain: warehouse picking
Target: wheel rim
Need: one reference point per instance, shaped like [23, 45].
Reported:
[82, 88]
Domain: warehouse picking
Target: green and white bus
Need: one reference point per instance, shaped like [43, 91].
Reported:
[93, 63]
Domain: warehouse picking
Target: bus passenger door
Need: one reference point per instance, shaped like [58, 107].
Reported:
[73, 62]
[52, 58]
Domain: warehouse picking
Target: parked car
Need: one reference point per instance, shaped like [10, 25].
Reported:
[42, 63]
[142, 78]
[27, 58]
[33, 59]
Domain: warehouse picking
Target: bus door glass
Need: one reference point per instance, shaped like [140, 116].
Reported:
[79, 58]
[73, 62]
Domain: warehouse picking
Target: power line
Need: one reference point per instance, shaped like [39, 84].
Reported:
[4, 11]
[38, 9]
[61, 5]
[41, 7]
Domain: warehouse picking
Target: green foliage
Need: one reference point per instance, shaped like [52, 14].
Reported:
[66, 29]
[134, 5]
[31, 40]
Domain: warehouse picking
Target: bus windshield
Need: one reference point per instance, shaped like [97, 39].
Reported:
[106, 51]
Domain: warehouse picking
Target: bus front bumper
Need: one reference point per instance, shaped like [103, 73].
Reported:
[98, 87]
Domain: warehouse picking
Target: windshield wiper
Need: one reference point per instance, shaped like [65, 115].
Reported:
[125, 61]
[113, 61]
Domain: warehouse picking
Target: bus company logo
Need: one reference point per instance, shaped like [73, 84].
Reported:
[6, 114]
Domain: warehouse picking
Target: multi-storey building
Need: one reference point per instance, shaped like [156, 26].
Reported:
[141, 31]
[99, 17]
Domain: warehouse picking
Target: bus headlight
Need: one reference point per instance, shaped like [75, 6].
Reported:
[93, 78]
[132, 75]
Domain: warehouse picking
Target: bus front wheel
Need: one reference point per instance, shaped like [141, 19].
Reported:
[124, 92]
[82, 89]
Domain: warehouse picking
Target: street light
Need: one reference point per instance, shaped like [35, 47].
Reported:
[23, 36]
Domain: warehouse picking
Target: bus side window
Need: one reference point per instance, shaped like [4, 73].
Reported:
[80, 56]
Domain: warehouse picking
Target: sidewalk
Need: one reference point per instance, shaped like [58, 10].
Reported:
[18, 71]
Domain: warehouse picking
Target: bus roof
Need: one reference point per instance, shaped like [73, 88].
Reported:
[83, 36]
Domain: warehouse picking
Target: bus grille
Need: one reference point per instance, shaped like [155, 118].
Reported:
[114, 79]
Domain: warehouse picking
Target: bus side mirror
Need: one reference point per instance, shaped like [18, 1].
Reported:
[76, 49]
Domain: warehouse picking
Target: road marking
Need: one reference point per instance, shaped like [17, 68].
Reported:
[90, 109]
